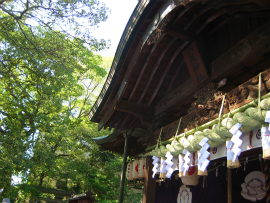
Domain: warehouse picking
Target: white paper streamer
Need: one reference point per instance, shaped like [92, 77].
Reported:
[169, 164]
[156, 166]
[265, 133]
[187, 161]
[203, 155]
[163, 165]
[237, 142]
[230, 153]
[181, 163]
[267, 118]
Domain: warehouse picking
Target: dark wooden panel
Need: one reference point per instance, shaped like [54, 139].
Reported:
[248, 49]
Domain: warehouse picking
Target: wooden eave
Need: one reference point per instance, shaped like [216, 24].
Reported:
[152, 84]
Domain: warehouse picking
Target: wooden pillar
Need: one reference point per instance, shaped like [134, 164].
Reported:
[267, 180]
[149, 189]
[123, 174]
[229, 184]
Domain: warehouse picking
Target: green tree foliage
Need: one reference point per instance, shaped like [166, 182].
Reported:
[49, 76]
[75, 18]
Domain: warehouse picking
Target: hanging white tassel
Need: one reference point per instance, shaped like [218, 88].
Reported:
[169, 164]
[267, 118]
[265, 133]
[181, 165]
[203, 155]
[156, 166]
[236, 140]
[187, 161]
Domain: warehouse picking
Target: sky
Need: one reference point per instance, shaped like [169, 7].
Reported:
[113, 28]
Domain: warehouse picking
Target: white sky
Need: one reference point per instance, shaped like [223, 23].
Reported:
[113, 28]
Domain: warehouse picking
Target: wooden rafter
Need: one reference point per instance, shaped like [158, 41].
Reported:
[180, 48]
[249, 48]
[179, 33]
[113, 120]
[134, 108]
[188, 8]
[174, 77]
[215, 5]
[121, 91]
[155, 68]
[120, 121]
[144, 67]
[230, 11]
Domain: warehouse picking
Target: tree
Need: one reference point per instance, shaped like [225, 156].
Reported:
[76, 19]
[49, 74]
[41, 93]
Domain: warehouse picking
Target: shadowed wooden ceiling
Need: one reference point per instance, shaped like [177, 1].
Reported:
[153, 85]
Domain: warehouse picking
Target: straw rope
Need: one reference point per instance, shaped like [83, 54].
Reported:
[229, 184]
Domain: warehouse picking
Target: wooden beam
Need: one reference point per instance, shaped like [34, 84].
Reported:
[121, 91]
[113, 120]
[149, 189]
[262, 14]
[248, 49]
[229, 11]
[127, 120]
[195, 64]
[173, 79]
[214, 5]
[264, 3]
[144, 67]
[180, 48]
[179, 33]
[194, 118]
[251, 47]
[134, 108]
[185, 11]
[155, 68]
[120, 121]
[180, 94]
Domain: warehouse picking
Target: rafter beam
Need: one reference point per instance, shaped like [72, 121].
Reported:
[179, 33]
[248, 49]
[134, 108]
[251, 47]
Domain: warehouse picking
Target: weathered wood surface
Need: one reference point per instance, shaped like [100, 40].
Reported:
[195, 64]
[155, 68]
[180, 48]
[252, 46]
[149, 188]
[249, 48]
[203, 112]
[144, 67]
[176, 97]
[134, 108]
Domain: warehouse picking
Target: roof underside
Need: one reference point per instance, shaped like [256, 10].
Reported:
[151, 85]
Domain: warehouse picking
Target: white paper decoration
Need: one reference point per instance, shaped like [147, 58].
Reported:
[135, 169]
[155, 165]
[129, 171]
[142, 163]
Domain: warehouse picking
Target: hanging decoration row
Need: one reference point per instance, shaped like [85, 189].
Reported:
[229, 130]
